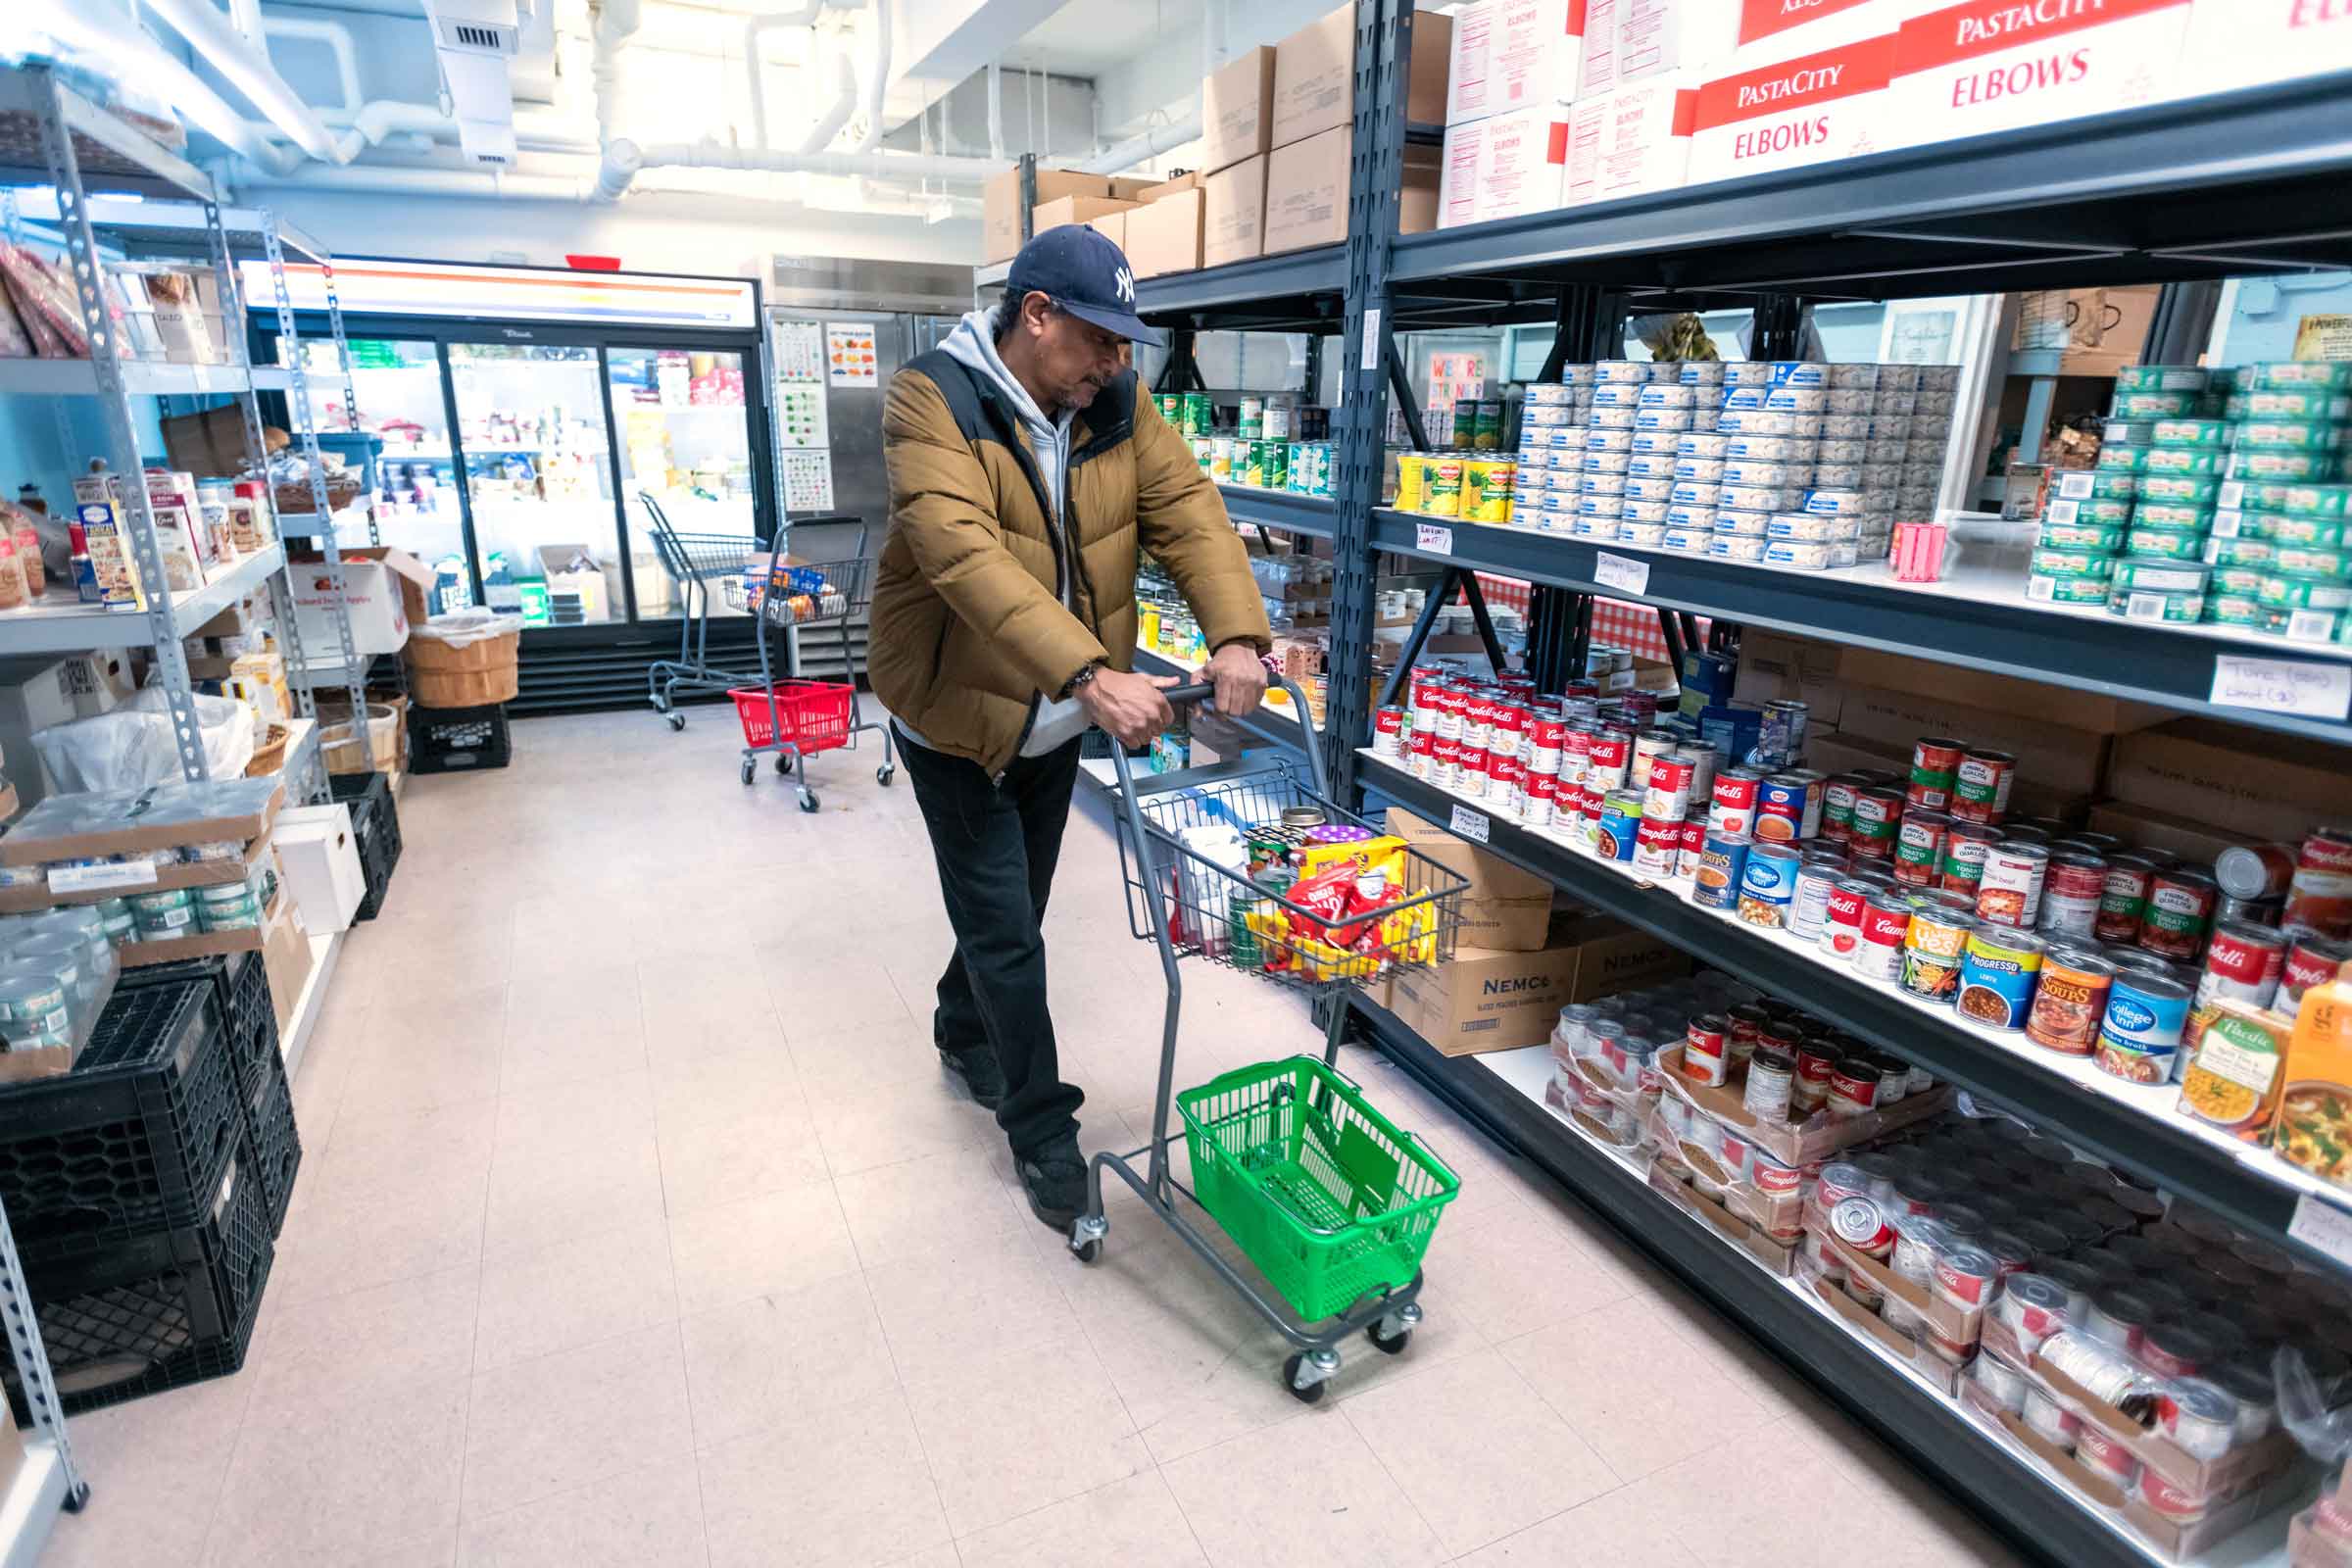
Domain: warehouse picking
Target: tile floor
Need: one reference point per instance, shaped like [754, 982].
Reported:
[637, 1227]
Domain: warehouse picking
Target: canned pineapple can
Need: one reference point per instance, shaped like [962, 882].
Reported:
[1487, 484]
[1444, 497]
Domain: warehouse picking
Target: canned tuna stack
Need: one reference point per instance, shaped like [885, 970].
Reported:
[2160, 422]
[2281, 562]
[1552, 438]
[1621, 425]
[2083, 530]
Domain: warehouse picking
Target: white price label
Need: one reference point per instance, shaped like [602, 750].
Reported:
[1620, 681]
[2321, 1226]
[93, 878]
[1470, 825]
[1433, 538]
[1371, 340]
[2282, 686]
[1621, 572]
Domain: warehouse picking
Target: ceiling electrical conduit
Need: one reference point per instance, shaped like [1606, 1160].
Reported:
[624, 159]
[337, 38]
[877, 83]
[209, 34]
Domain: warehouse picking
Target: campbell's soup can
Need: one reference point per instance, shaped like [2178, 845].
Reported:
[2320, 894]
[1838, 793]
[1816, 1064]
[1509, 722]
[2124, 901]
[1478, 718]
[1607, 759]
[1388, 731]
[1657, 847]
[1841, 918]
[1666, 798]
[2180, 909]
[1546, 738]
[1707, 1049]
[1417, 753]
[1648, 745]
[1878, 815]
[1731, 805]
[1448, 700]
[1919, 840]
[1694, 847]
[1506, 784]
[1788, 806]
[2244, 964]
[1475, 774]
[2310, 960]
[1981, 786]
[1543, 800]
[2071, 892]
[1935, 771]
[1446, 761]
[1886, 922]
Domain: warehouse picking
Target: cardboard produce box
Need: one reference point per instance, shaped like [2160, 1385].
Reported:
[1840, 753]
[384, 591]
[2267, 787]
[2054, 757]
[1103, 214]
[1827, 667]
[2146, 826]
[1166, 236]
[1922, 1361]
[1233, 212]
[1817, 1137]
[1314, 79]
[1236, 109]
[1488, 1000]
[1505, 909]
[1306, 193]
[1001, 206]
[1668, 1180]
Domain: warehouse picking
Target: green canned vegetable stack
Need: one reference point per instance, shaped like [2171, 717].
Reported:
[2279, 551]
[2164, 432]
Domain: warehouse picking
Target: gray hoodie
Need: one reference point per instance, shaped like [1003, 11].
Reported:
[1052, 724]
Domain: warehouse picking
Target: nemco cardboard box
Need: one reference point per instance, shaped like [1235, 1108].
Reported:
[1489, 1001]
[1505, 909]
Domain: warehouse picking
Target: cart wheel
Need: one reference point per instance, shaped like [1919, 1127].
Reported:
[883, 775]
[1088, 1250]
[783, 761]
[78, 1499]
[1394, 1345]
[807, 800]
[659, 700]
[678, 721]
[1313, 1394]
[751, 771]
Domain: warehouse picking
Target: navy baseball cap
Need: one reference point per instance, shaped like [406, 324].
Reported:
[1086, 275]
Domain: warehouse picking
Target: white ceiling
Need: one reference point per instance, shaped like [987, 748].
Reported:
[1087, 37]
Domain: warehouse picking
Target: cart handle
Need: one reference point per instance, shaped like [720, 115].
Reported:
[1202, 691]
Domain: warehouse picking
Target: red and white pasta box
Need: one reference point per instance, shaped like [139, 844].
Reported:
[1521, 167]
[1629, 142]
[1988, 65]
[1597, 72]
[2241, 43]
[1807, 109]
[1659, 37]
[1514, 54]
[1457, 173]
[1775, 29]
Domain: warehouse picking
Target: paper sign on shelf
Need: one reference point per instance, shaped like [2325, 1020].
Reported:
[2321, 1226]
[2282, 686]
[93, 878]
[1621, 572]
[1470, 825]
[1371, 340]
[1434, 538]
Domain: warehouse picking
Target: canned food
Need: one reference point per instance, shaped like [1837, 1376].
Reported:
[1841, 918]
[1862, 1224]
[1819, 872]
[2179, 907]
[2319, 895]
[1885, 924]
[2310, 960]
[1768, 884]
[1788, 806]
[2010, 891]
[1933, 947]
[1998, 973]
[1855, 1081]
[1771, 1081]
[1965, 848]
[1722, 870]
[1732, 807]
[2139, 1037]
[2124, 902]
[2070, 999]
[1878, 812]
[1485, 495]
[2244, 963]
[2071, 893]
[1919, 847]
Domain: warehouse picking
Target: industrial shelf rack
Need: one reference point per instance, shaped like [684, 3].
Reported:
[101, 177]
[2248, 181]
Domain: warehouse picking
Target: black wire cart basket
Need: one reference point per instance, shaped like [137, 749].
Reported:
[693, 561]
[1251, 867]
[788, 717]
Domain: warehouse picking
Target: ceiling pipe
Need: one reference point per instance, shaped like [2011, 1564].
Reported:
[753, 27]
[385, 118]
[207, 32]
[133, 55]
[995, 108]
[625, 160]
[878, 83]
[1135, 149]
[484, 185]
[616, 21]
[337, 38]
[837, 115]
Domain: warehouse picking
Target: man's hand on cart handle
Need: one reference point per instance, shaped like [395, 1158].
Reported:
[1240, 677]
[1129, 708]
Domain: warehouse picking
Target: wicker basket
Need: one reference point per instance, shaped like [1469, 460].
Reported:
[474, 675]
[298, 500]
[271, 755]
[344, 752]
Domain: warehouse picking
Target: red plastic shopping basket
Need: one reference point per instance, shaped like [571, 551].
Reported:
[814, 715]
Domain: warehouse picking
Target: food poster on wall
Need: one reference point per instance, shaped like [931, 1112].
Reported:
[800, 353]
[849, 354]
[800, 415]
[807, 481]
[2324, 337]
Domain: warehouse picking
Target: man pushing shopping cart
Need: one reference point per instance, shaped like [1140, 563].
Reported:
[1026, 471]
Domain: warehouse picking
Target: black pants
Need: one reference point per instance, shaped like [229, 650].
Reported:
[996, 845]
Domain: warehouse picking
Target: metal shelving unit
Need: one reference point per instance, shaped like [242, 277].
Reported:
[2248, 181]
[1311, 516]
[102, 177]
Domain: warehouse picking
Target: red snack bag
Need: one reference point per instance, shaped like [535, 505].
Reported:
[1326, 897]
[1367, 895]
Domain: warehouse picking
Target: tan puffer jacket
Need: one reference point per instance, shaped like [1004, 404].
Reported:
[967, 625]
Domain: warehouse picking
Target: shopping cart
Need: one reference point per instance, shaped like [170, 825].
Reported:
[1325, 1195]
[693, 561]
[794, 718]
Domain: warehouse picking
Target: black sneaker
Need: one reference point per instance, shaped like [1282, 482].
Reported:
[1054, 1178]
[981, 1077]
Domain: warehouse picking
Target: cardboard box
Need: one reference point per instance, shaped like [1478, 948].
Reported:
[1961, 1325]
[1130, 187]
[1786, 113]
[1505, 909]
[1838, 752]
[1982, 688]
[128, 826]
[1512, 54]
[319, 863]
[1778, 1257]
[1233, 212]
[1166, 236]
[1484, 1000]
[204, 943]
[1658, 37]
[1923, 1362]
[28, 898]
[2149, 828]
[1102, 213]
[1314, 79]
[1001, 206]
[1417, 191]
[1306, 193]
[1236, 109]
[286, 962]
[1800, 1143]
[384, 591]
[1770, 29]
[1427, 75]
[1630, 141]
[2057, 758]
[2267, 787]
[2239, 43]
[1985, 66]
[1189, 181]
[1503, 167]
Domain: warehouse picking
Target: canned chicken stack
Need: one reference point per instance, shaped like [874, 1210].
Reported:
[2279, 554]
[1272, 446]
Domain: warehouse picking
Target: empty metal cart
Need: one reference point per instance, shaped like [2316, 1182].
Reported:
[1333, 1204]
[693, 561]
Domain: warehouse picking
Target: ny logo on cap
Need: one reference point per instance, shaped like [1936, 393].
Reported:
[1124, 280]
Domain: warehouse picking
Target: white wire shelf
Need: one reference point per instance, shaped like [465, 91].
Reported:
[63, 624]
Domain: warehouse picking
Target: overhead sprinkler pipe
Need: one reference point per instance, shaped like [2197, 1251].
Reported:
[215, 41]
[878, 83]
[625, 160]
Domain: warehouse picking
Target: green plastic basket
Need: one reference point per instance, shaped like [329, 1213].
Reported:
[1319, 1189]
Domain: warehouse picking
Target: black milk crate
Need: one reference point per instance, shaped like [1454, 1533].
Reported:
[241, 982]
[136, 1137]
[457, 740]
[375, 829]
[121, 1318]
[275, 1145]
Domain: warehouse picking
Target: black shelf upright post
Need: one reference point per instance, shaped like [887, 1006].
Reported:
[1384, 34]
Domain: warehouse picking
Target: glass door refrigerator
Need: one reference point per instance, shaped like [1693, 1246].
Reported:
[526, 414]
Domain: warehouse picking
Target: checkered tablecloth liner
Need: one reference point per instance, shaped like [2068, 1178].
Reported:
[1618, 622]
